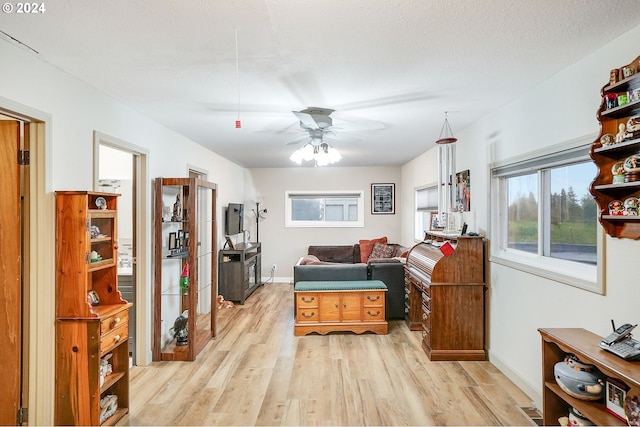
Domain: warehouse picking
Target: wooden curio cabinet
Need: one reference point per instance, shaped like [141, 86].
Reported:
[185, 240]
[92, 319]
[608, 152]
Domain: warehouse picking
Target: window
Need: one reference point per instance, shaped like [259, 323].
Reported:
[426, 203]
[324, 209]
[546, 220]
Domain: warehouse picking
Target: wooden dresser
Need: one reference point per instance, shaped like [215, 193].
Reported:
[445, 296]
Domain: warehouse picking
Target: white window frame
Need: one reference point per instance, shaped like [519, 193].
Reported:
[572, 273]
[290, 195]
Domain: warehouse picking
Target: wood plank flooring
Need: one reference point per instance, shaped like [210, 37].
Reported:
[255, 372]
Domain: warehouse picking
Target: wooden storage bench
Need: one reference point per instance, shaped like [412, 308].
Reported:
[327, 306]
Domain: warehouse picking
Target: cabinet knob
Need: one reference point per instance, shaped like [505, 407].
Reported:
[116, 338]
[344, 305]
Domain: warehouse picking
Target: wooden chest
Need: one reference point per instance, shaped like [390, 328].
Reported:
[328, 306]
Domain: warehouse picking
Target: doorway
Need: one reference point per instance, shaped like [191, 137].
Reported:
[120, 168]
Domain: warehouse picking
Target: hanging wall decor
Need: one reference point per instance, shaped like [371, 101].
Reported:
[463, 192]
[383, 199]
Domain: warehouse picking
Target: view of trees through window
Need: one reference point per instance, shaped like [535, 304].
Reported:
[569, 212]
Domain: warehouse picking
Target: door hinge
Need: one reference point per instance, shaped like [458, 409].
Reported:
[23, 158]
[22, 416]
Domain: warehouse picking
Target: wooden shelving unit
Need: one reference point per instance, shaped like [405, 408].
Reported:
[240, 271]
[556, 344]
[605, 156]
[86, 333]
[188, 238]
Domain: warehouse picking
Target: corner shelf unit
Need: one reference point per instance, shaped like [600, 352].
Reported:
[87, 333]
[188, 238]
[605, 156]
[556, 344]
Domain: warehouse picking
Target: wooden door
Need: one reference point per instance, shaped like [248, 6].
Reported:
[10, 279]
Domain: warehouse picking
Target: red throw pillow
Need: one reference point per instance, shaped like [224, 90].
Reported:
[366, 246]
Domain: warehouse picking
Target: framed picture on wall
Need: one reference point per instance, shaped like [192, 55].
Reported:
[383, 198]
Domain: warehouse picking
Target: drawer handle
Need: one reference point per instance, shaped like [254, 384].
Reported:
[116, 338]
[370, 314]
[371, 299]
[305, 300]
[424, 316]
[304, 314]
[114, 322]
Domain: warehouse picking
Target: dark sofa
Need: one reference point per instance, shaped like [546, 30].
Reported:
[343, 262]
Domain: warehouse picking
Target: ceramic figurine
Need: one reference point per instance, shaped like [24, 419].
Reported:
[177, 209]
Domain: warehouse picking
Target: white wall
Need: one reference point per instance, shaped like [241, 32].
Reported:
[561, 109]
[73, 110]
[283, 246]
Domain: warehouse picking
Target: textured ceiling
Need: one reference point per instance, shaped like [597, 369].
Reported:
[401, 62]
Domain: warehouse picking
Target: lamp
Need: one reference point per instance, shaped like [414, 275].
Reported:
[446, 167]
[321, 152]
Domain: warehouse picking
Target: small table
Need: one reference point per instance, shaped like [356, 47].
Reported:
[347, 305]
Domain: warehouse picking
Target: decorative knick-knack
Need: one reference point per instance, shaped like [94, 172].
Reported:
[177, 209]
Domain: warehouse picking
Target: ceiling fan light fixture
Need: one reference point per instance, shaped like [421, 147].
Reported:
[323, 154]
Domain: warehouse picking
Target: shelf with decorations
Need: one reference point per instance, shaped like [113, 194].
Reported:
[616, 153]
[92, 318]
[185, 269]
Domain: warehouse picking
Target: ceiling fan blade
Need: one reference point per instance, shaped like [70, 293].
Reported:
[353, 127]
[306, 119]
[298, 140]
[343, 137]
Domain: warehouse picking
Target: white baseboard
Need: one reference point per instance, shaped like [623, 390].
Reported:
[284, 279]
[527, 388]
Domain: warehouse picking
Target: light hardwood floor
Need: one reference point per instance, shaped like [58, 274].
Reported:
[255, 372]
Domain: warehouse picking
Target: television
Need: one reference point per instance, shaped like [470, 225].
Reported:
[233, 220]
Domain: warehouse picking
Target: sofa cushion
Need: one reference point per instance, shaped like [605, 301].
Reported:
[333, 253]
[382, 251]
[366, 246]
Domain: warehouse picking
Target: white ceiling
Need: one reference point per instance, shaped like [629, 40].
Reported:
[401, 62]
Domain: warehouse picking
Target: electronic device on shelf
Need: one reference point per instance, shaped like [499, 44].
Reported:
[620, 343]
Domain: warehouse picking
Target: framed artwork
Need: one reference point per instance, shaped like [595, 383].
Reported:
[173, 241]
[434, 225]
[383, 198]
[229, 241]
[462, 198]
[616, 393]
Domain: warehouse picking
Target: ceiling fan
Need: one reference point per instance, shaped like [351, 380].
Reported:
[318, 124]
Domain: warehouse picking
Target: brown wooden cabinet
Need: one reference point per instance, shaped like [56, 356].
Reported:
[445, 296]
[556, 344]
[606, 153]
[240, 270]
[185, 235]
[92, 319]
[324, 311]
